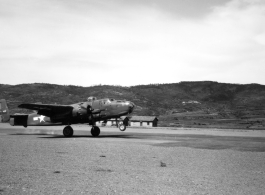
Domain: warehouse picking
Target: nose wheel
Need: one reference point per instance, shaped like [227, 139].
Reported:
[122, 127]
[95, 131]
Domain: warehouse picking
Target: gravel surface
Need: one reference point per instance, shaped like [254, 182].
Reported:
[131, 162]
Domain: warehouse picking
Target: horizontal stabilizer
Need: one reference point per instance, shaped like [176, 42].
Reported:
[19, 120]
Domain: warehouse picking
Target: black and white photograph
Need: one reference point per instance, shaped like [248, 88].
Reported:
[107, 97]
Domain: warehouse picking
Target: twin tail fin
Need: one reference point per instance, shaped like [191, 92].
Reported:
[4, 111]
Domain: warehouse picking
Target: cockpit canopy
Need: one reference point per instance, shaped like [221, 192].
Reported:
[91, 99]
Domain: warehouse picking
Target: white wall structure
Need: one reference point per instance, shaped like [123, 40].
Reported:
[143, 121]
[134, 121]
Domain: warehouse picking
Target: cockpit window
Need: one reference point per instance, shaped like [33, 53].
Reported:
[90, 99]
[107, 101]
[112, 100]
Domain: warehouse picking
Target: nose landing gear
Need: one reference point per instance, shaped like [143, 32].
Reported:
[122, 127]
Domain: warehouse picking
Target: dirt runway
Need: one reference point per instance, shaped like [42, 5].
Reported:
[39, 160]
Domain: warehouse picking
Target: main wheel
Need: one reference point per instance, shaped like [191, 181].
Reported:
[122, 127]
[95, 131]
[68, 131]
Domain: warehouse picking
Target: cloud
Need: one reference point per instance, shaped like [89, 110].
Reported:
[114, 42]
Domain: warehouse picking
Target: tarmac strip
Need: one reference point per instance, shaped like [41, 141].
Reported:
[154, 130]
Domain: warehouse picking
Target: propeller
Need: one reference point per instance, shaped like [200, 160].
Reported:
[90, 114]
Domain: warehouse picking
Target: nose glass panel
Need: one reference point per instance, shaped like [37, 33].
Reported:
[131, 107]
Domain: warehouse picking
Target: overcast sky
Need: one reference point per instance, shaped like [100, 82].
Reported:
[131, 42]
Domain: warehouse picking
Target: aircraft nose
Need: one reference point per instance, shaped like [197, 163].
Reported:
[131, 107]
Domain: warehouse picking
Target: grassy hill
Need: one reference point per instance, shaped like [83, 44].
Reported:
[184, 104]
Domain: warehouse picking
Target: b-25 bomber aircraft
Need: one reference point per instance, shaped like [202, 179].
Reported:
[88, 112]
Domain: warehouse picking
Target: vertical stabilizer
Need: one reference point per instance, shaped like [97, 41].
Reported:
[4, 112]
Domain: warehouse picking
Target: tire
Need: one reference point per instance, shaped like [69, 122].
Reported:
[68, 131]
[122, 127]
[95, 131]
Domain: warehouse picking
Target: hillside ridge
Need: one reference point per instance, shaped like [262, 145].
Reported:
[172, 102]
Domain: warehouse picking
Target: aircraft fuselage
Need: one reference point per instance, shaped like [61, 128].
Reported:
[83, 112]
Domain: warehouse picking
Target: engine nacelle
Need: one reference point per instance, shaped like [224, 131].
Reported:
[95, 116]
[79, 112]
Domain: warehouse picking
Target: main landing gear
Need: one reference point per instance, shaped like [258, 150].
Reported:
[68, 131]
[95, 131]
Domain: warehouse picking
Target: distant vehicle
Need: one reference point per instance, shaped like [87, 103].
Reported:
[88, 112]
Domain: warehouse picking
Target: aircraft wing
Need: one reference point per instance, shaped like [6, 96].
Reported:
[51, 110]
